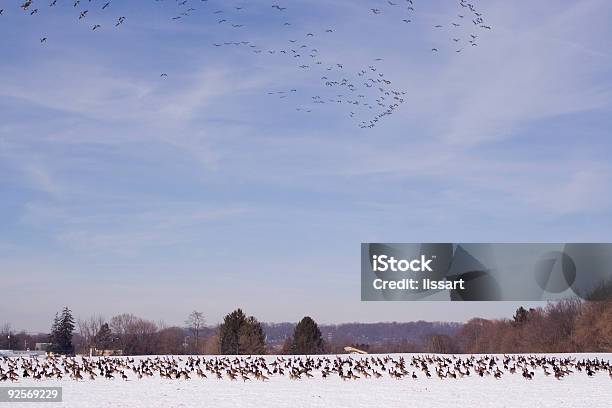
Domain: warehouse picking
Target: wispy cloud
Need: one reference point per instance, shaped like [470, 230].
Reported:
[127, 230]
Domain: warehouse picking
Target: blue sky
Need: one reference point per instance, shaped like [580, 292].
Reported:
[124, 191]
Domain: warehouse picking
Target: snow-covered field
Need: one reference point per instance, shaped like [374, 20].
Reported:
[575, 389]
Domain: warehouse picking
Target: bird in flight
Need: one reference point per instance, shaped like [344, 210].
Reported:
[371, 86]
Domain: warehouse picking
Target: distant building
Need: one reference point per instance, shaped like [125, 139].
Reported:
[42, 346]
[106, 353]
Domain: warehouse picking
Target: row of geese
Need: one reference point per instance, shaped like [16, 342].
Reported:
[345, 367]
[364, 92]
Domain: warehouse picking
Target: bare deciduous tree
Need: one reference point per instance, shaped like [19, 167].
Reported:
[134, 335]
[195, 322]
[88, 328]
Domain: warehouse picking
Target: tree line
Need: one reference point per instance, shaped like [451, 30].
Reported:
[128, 334]
[563, 326]
[567, 325]
[560, 327]
[376, 335]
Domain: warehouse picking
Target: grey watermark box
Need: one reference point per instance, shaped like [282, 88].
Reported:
[30, 394]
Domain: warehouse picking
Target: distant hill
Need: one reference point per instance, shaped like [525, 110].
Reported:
[367, 333]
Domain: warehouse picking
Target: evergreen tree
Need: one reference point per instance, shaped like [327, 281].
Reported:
[521, 316]
[54, 334]
[307, 338]
[103, 338]
[239, 334]
[252, 337]
[61, 332]
[229, 332]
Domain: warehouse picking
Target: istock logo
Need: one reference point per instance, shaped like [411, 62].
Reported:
[383, 263]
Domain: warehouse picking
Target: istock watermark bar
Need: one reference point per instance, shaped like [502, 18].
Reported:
[485, 271]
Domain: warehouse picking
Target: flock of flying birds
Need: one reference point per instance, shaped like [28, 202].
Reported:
[345, 367]
[366, 93]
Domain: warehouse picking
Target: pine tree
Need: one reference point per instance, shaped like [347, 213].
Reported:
[61, 332]
[103, 338]
[239, 334]
[54, 336]
[229, 332]
[521, 316]
[307, 338]
[252, 338]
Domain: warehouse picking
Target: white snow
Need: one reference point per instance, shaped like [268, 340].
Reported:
[512, 390]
